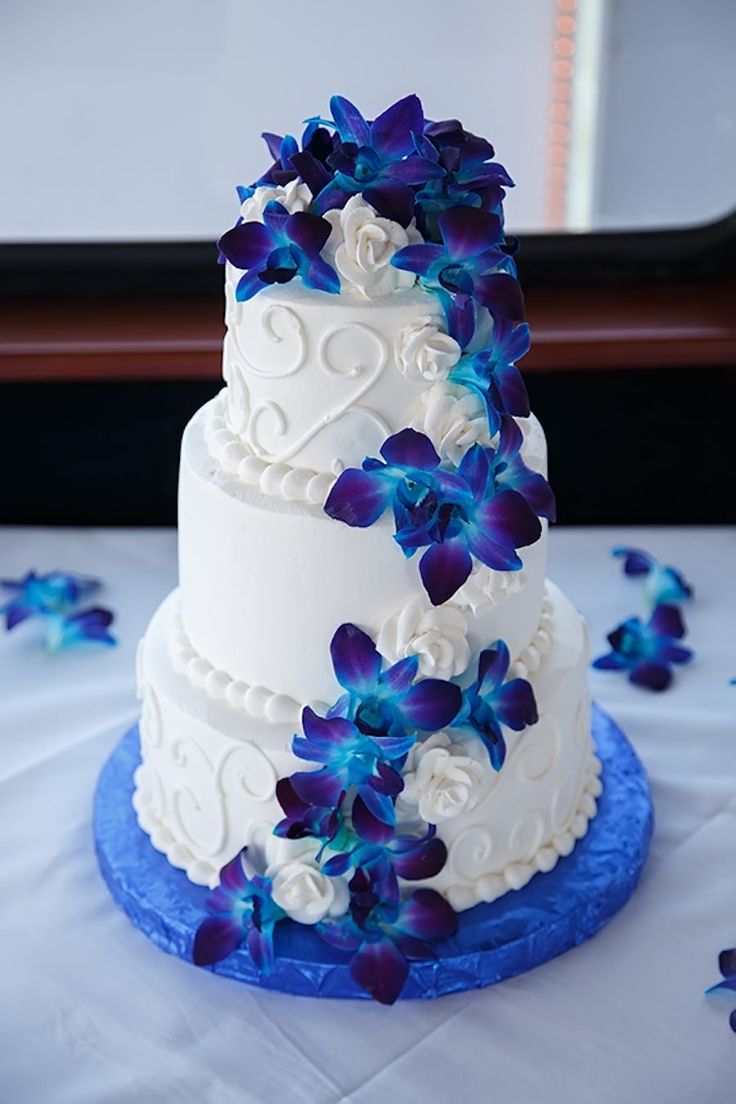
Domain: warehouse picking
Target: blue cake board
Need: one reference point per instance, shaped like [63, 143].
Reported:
[522, 929]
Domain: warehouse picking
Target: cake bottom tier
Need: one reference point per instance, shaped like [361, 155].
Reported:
[206, 786]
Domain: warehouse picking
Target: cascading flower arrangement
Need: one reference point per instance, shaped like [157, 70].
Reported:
[442, 194]
[346, 805]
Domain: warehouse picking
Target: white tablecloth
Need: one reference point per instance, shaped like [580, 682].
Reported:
[92, 1012]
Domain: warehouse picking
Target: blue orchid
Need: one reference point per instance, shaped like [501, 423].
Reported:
[34, 595]
[377, 159]
[472, 265]
[309, 162]
[494, 701]
[241, 908]
[387, 704]
[663, 584]
[303, 820]
[384, 857]
[64, 630]
[647, 651]
[492, 373]
[727, 966]
[383, 936]
[471, 178]
[488, 507]
[348, 759]
[278, 249]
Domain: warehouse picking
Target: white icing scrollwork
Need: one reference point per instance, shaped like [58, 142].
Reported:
[284, 330]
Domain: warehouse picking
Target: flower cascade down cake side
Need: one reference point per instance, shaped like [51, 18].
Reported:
[365, 708]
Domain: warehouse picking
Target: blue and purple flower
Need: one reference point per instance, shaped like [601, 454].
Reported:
[278, 249]
[727, 966]
[471, 178]
[663, 584]
[488, 507]
[241, 909]
[648, 651]
[377, 159]
[494, 701]
[473, 265]
[62, 631]
[492, 373]
[384, 935]
[34, 595]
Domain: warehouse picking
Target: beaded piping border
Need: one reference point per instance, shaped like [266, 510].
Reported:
[256, 701]
[278, 480]
[515, 875]
[259, 701]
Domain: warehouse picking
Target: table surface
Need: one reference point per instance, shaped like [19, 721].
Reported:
[93, 1013]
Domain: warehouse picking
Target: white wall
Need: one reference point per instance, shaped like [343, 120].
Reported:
[136, 118]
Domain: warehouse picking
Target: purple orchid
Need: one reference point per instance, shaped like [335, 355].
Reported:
[278, 249]
[348, 758]
[727, 966]
[471, 178]
[383, 936]
[34, 595]
[494, 701]
[387, 704]
[377, 159]
[303, 820]
[647, 651]
[241, 908]
[289, 162]
[488, 507]
[384, 857]
[62, 630]
[492, 373]
[472, 265]
[664, 585]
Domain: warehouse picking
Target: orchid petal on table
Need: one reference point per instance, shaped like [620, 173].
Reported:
[241, 909]
[727, 966]
[473, 265]
[377, 159]
[647, 650]
[34, 595]
[494, 701]
[487, 507]
[492, 373]
[663, 584]
[278, 249]
[384, 936]
[62, 631]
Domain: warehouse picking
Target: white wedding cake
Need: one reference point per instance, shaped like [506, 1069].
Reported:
[372, 311]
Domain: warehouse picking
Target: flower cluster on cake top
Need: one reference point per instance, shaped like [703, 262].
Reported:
[374, 206]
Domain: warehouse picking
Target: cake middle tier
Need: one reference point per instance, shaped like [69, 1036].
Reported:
[266, 582]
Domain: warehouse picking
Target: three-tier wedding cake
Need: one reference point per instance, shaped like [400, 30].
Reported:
[365, 708]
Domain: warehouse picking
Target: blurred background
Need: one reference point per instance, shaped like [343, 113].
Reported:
[125, 128]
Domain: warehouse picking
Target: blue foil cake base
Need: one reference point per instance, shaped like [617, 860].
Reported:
[520, 930]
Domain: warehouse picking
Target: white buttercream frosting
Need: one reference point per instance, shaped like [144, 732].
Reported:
[361, 246]
[453, 418]
[441, 779]
[426, 352]
[436, 634]
[305, 893]
[294, 196]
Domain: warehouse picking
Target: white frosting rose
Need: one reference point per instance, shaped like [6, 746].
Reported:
[305, 893]
[294, 196]
[436, 634]
[441, 780]
[484, 587]
[361, 246]
[453, 418]
[425, 352]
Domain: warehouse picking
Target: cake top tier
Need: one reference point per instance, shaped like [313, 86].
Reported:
[366, 209]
